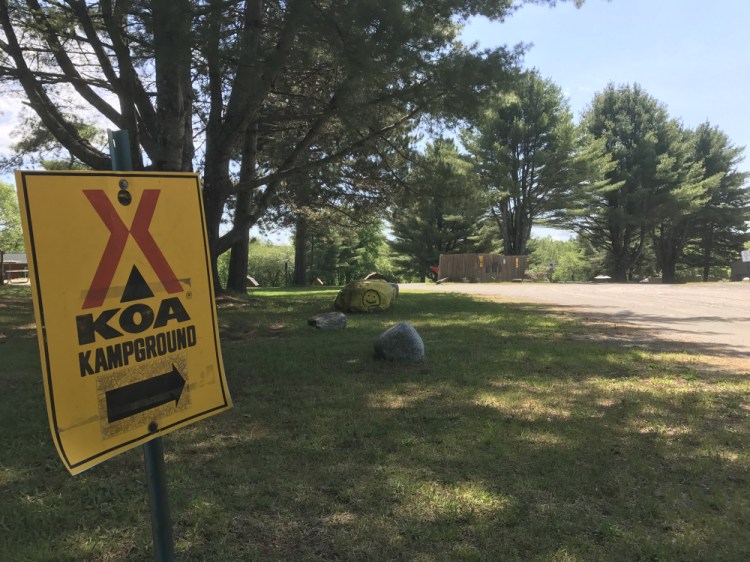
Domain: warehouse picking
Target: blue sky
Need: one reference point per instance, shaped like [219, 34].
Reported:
[692, 55]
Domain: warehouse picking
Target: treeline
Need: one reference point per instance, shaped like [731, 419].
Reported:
[334, 254]
[644, 194]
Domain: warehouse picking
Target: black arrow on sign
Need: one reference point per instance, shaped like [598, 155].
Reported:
[143, 395]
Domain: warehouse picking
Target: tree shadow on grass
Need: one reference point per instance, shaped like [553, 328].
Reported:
[450, 472]
[646, 332]
[529, 453]
[516, 440]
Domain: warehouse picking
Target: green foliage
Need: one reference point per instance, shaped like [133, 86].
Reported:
[342, 252]
[251, 94]
[526, 151]
[270, 264]
[222, 264]
[572, 260]
[674, 200]
[441, 212]
[640, 137]
[11, 234]
[38, 147]
[680, 193]
[719, 227]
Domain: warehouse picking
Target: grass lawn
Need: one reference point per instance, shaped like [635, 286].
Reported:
[520, 438]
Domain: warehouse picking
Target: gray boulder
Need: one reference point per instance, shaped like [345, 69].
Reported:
[400, 343]
[328, 320]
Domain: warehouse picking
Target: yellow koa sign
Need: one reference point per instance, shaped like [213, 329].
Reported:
[124, 305]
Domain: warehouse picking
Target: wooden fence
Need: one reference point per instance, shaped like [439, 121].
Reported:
[481, 268]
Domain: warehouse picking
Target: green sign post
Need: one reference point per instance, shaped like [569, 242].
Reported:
[153, 451]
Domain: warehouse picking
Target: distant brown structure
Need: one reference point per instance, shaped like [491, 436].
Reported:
[13, 266]
[482, 268]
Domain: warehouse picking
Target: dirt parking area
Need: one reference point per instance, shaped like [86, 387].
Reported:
[711, 319]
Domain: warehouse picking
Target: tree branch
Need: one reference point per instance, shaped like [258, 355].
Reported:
[52, 118]
[69, 69]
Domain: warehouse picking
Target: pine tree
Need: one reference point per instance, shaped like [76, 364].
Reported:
[677, 196]
[636, 132]
[525, 149]
[720, 225]
[442, 212]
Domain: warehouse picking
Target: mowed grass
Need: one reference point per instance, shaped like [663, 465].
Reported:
[518, 439]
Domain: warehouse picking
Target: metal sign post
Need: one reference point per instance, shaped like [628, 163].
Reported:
[153, 451]
[161, 521]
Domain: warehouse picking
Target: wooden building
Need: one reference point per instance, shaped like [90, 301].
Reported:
[13, 266]
[482, 268]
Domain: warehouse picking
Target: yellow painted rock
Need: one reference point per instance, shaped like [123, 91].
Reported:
[366, 296]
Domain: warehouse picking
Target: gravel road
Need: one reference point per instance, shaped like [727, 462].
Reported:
[715, 317]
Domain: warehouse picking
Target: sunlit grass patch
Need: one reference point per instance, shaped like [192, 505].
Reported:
[403, 396]
[430, 501]
[517, 439]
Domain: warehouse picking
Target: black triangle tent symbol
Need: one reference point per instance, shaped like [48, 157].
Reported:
[136, 287]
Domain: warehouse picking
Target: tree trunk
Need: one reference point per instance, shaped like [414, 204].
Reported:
[507, 229]
[237, 277]
[620, 265]
[668, 262]
[300, 251]
[172, 60]
[668, 274]
[213, 204]
[707, 245]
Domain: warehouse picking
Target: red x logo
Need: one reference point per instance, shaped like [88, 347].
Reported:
[118, 236]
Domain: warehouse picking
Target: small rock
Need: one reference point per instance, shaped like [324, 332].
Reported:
[328, 320]
[400, 343]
